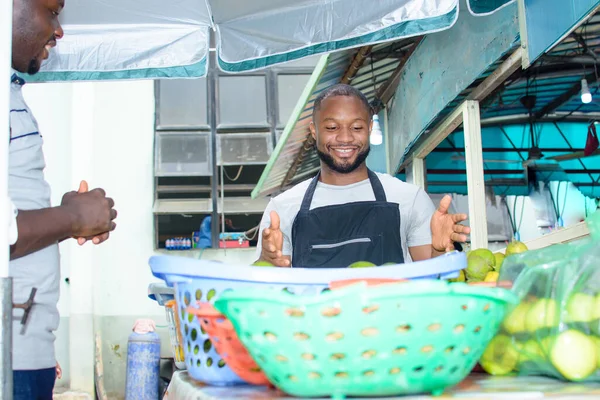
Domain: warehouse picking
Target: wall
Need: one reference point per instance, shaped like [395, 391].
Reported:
[532, 213]
[104, 133]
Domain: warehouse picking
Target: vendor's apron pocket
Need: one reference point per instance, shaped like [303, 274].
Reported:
[343, 252]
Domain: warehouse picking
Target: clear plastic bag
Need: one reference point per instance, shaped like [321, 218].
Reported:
[555, 329]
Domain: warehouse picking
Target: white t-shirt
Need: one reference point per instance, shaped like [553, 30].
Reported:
[416, 208]
[33, 347]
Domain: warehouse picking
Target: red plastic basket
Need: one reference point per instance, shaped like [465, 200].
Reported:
[227, 344]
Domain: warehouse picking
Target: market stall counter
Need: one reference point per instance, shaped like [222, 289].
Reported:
[474, 387]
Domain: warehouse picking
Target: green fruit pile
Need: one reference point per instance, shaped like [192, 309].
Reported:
[485, 266]
[542, 338]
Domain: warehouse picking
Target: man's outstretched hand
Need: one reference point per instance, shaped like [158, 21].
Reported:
[447, 228]
[272, 244]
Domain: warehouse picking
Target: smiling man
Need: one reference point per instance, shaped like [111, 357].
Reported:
[85, 215]
[348, 213]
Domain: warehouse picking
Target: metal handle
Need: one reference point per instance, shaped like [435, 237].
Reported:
[26, 306]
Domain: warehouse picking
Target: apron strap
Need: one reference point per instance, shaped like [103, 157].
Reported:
[375, 184]
[377, 187]
[309, 193]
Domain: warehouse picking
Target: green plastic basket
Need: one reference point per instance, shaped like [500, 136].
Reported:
[394, 339]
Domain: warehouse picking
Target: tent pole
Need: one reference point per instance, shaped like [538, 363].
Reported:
[6, 376]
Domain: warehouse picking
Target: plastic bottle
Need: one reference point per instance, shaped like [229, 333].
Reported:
[143, 362]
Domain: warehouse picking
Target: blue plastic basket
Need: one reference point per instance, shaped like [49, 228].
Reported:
[204, 280]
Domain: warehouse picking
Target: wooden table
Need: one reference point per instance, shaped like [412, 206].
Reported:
[474, 387]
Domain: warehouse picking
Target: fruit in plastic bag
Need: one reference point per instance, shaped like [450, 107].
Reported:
[515, 321]
[556, 327]
[515, 247]
[574, 355]
[542, 314]
[580, 308]
[477, 268]
[500, 356]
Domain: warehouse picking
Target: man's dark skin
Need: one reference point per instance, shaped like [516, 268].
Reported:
[85, 215]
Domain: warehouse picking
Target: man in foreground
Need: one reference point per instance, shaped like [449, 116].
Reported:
[85, 215]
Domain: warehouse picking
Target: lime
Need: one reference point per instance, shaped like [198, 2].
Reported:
[574, 355]
[515, 247]
[261, 263]
[500, 357]
[499, 260]
[486, 254]
[362, 264]
[460, 278]
[492, 276]
[580, 308]
[477, 268]
[515, 321]
[543, 314]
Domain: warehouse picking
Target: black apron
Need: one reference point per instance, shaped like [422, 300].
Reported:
[338, 235]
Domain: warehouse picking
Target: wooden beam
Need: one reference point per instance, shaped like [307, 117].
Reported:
[502, 73]
[387, 90]
[475, 180]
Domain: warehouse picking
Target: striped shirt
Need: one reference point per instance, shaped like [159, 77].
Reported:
[33, 344]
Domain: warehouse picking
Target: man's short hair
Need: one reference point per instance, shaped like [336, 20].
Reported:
[341, 89]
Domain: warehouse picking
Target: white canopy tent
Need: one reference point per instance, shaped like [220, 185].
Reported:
[115, 39]
[149, 39]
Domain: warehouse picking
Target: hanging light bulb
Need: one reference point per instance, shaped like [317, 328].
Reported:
[586, 96]
[376, 134]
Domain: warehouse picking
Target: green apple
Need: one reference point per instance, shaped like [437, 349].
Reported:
[542, 314]
[596, 308]
[500, 357]
[580, 308]
[574, 355]
[515, 321]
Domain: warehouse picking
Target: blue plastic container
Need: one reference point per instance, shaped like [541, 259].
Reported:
[143, 366]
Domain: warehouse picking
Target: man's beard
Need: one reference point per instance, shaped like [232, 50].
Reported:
[347, 167]
[33, 67]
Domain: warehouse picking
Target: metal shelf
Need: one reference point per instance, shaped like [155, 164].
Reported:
[232, 205]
